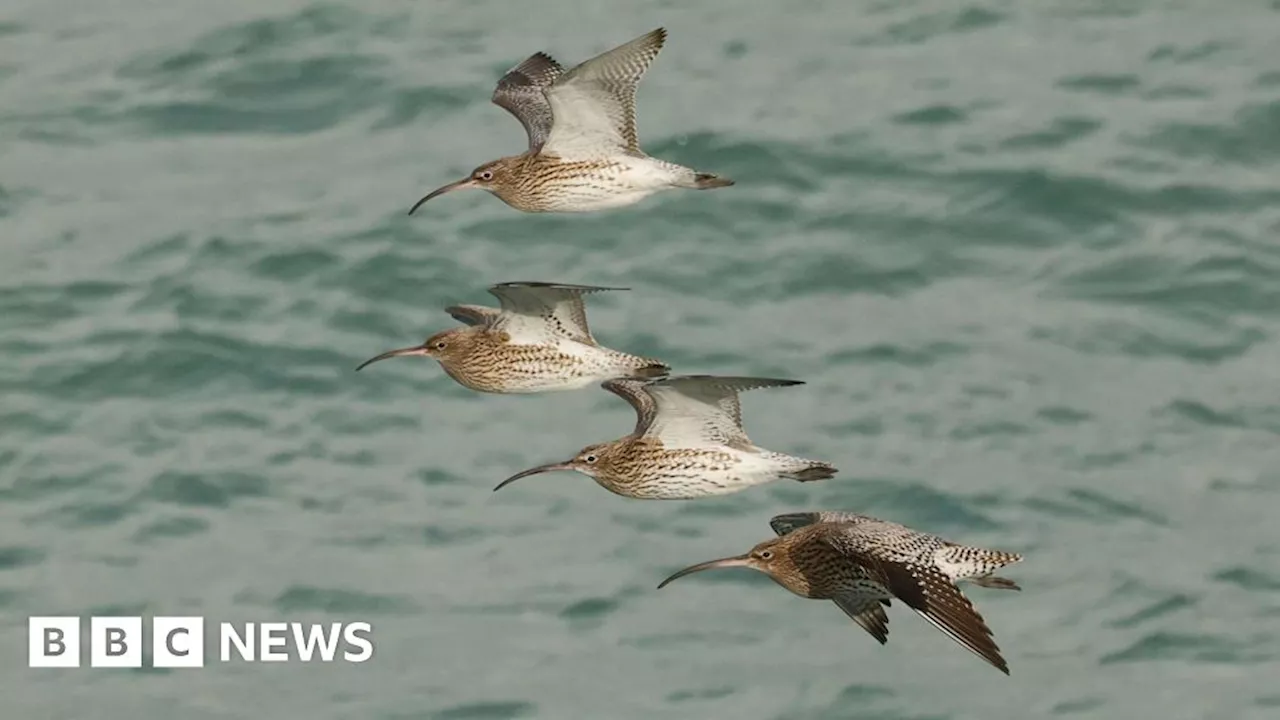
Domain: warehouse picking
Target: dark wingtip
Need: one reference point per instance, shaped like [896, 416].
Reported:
[771, 382]
[556, 285]
[781, 382]
[537, 70]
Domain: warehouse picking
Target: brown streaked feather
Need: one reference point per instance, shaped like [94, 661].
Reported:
[919, 584]
[964, 563]
[519, 92]
[935, 598]
[633, 392]
[868, 613]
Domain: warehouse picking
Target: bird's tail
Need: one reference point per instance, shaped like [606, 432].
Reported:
[995, 583]
[651, 371]
[976, 565]
[810, 470]
[707, 181]
[684, 177]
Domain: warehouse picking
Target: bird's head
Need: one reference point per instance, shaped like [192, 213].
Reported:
[595, 461]
[445, 346]
[492, 176]
[771, 557]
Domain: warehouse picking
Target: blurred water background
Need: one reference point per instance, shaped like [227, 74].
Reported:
[1024, 255]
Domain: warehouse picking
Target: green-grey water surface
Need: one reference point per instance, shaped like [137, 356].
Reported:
[1023, 254]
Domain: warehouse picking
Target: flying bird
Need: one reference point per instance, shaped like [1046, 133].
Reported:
[583, 154]
[538, 341]
[688, 443]
[863, 563]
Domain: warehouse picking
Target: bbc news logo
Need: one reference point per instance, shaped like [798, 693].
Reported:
[178, 642]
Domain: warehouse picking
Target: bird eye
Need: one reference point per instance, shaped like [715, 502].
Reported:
[590, 458]
[485, 175]
[766, 554]
[440, 345]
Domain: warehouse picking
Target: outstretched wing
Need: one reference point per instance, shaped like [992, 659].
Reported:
[472, 314]
[869, 613]
[594, 104]
[702, 410]
[935, 598]
[923, 588]
[634, 393]
[538, 312]
[519, 92]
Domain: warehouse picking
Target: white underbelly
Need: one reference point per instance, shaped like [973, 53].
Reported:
[627, 182]
[584, 366]
[745, 470]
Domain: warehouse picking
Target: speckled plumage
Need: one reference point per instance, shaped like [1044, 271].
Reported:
[688, 442]
[863, 563]
[583, 149]
[539, 341]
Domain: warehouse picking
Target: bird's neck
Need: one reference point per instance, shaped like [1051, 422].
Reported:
[785, 573]
[470, 364]
[620, 469]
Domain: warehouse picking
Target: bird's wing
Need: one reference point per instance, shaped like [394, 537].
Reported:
[935, 598]
[538, 312]
[519, 92]
[788, 522]
[633, 392]
[594, 104]
[924, 588]
[701, 410]
[472, 314]
[868, 612]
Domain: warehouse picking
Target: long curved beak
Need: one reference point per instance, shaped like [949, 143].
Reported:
[549, 467]
[735, 561]
[415, 350]
[463, 183]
